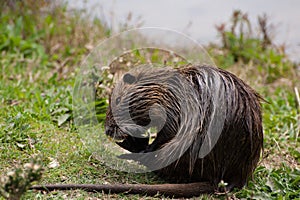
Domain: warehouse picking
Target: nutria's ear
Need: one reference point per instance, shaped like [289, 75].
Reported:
[128, 78]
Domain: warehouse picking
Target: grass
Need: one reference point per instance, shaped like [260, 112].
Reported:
[40, 50]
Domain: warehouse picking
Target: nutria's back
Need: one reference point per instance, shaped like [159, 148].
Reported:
[209, 122]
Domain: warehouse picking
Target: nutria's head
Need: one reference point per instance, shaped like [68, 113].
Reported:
[138, 102]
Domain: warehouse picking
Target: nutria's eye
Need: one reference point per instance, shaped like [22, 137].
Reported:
[128, 78]
[118, 100]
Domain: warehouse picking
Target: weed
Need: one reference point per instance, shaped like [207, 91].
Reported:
[241, 46]
[18, 181]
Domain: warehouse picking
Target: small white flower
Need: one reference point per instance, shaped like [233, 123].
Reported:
[11, 173]
[176, 59]
[104, 68]
[128, 64]
[110, 76]
[54, 163]
[28, 165]
[36, 167]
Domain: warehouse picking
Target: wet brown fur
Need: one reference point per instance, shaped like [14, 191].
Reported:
[236, 154]
[233, 158]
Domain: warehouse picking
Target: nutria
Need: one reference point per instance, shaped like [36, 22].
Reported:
[219, 95]
[209, 129]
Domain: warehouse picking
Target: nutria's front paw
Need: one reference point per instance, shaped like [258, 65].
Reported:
[134, 144]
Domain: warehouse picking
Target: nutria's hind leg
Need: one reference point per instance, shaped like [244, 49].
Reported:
[235, 181]
[230, 187]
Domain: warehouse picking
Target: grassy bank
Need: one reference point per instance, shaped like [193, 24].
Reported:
[41, 47]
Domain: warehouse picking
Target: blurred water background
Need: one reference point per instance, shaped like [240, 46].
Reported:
[198, 18]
